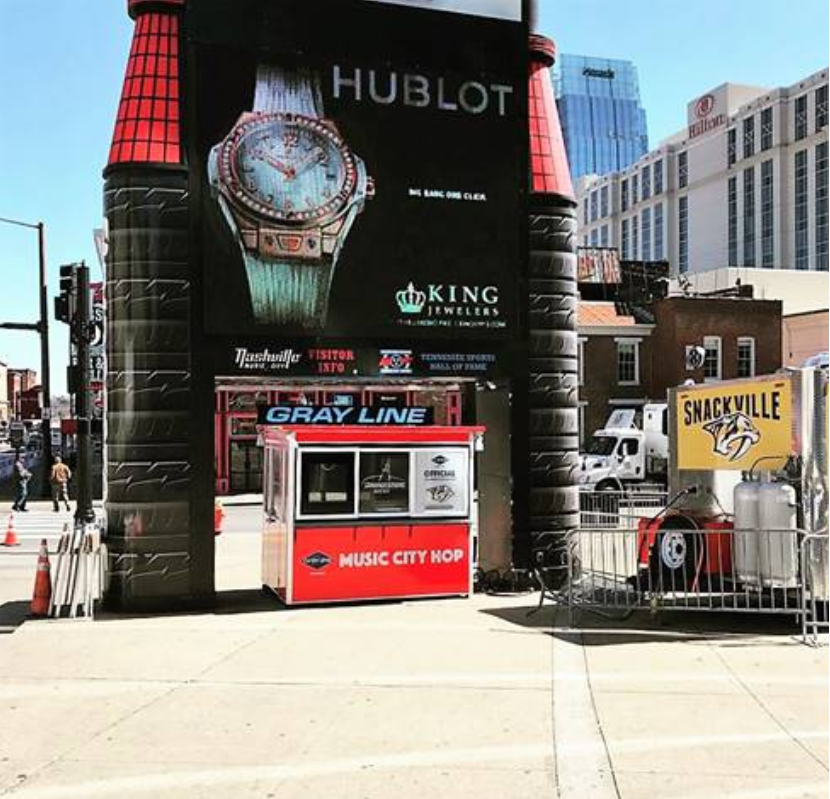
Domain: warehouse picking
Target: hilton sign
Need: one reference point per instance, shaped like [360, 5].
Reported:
[705, 115]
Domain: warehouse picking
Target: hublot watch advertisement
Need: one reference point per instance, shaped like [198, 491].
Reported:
[363, 186]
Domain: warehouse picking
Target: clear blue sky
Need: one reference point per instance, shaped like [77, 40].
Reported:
[62, 61]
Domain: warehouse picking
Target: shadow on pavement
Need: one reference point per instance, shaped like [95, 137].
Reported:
[12, 615]
[591, 629]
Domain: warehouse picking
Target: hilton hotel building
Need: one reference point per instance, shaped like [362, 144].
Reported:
[745, 184]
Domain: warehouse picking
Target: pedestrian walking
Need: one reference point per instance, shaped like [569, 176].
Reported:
[21, 476]
[59, 478]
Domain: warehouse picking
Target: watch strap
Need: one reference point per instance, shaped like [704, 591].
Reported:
[289, 292]
[295, 91]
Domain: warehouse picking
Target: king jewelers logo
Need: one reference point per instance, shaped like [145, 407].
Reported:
[448, 305]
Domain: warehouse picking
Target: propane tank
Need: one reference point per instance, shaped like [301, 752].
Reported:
[777, 513]
[746, 552]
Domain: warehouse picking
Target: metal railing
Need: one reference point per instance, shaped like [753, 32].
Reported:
[619, 509]
[666, 564]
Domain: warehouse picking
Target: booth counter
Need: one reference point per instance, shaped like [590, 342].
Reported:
[368, 512]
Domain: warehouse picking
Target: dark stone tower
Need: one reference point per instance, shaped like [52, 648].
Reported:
[157, 555]
[552, 493]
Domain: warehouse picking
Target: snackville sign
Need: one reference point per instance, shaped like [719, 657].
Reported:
[734, 426]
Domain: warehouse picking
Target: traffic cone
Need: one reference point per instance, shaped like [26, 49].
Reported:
[218, 517]
[11, 539]
[42, 596]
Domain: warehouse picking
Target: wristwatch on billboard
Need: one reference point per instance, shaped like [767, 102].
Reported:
[290, 189]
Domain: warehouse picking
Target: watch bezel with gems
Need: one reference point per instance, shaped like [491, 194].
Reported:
[230, 182]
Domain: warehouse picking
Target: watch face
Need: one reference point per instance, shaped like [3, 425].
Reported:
[289, 168]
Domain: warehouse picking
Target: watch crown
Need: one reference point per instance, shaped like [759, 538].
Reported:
[370, 188]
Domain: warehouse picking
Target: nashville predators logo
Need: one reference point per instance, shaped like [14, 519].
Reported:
[734, 435]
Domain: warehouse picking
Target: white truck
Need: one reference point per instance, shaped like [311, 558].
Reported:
[623, 453]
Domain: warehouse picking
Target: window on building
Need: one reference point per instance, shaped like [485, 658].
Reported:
[646, 232]
[624, 195]
[766, 129]
[603, 236]
[731, 146]
[594, 205]
[635, 237]
[749, 137]
[746, 356]
[821, 107]
[682, 170]
[712, 362]
[801, 117]
[628, 362]
[767, 216]
[581, 360]
[749, 217]
[595, 237]
[683, 235]
[635, 188]
[625, 241]
[659, 252]
[645, 183]
[821, 205]
[732, 221]
[585, 211]
[658, 176]
[802, 242]
[603, 202]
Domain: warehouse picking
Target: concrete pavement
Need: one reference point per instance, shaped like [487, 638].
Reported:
[452, 699]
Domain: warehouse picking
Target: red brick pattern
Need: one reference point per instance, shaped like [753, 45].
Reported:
[549, 171]
[147, 129]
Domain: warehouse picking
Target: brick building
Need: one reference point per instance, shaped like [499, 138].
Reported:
[629, 356]
[18, 382]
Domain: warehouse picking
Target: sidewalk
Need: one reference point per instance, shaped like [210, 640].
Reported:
[450, 699]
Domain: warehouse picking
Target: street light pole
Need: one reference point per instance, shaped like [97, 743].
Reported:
[45, 377]
[42, 328]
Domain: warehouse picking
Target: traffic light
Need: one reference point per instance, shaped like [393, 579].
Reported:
[66, 302]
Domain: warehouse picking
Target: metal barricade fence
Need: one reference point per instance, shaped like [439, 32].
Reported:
[679, 567]
[620, 509]
[814, 567]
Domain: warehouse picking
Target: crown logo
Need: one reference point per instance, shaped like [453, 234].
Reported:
[410, 300]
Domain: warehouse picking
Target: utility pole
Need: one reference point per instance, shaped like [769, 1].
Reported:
[42, 328]
[83, 401]
[73, 307]
[45, 372]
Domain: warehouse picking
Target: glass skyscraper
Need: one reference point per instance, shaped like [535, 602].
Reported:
[603, 122]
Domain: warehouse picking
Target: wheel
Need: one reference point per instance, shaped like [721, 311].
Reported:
[675, 558]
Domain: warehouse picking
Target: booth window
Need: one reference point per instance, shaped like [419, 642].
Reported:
[384, 483]
[327, 484]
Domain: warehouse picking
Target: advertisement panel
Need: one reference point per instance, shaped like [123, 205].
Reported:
[441, 482]
[733, 426]
[332, 563]
[362, 186]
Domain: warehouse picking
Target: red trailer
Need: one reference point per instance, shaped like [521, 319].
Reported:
[367, 511]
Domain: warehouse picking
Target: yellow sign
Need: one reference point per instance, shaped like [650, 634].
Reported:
[732, 426]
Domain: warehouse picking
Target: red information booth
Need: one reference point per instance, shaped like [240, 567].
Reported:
[368, 511]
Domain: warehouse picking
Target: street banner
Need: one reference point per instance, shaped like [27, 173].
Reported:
[734, 426]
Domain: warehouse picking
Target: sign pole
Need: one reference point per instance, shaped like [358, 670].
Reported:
[82, 329]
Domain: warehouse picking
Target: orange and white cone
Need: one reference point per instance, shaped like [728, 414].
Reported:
[42, 595]
[218, 516]
[11, 539]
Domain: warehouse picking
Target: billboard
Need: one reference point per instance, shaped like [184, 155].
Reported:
[598, 265]
[362, 186]
[734, 425]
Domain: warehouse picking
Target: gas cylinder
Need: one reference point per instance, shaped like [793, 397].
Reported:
[777, 514]
[745, 551]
